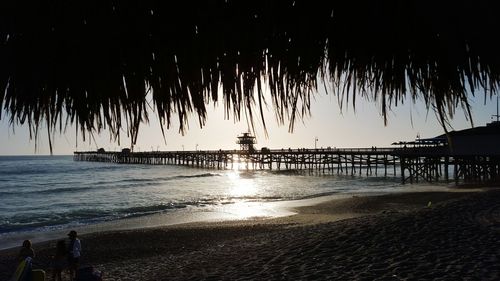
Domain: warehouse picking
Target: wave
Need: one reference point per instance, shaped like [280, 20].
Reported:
[291, 172]
[64, 189]
[6, 193]
[47, 191]
[103, 184]
[156, 179]
[320, 194]
[233, 199]
[148, 210]
[76, 189]
[29, 221]
[198, 176]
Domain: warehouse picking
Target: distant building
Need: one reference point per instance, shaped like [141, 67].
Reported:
[484, 140]
[478, 141]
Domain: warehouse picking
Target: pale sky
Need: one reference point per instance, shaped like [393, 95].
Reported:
[361, 128]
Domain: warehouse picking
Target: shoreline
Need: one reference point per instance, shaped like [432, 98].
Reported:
[234, 212]
[115, 252]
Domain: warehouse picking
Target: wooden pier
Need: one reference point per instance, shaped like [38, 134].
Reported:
[430, 164]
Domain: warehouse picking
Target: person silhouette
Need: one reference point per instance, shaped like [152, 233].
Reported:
[26, 250]
[59, 260]
[74, 252]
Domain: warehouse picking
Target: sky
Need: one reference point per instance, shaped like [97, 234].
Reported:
[331, 126]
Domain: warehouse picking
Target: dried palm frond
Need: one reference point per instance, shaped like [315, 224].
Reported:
[93, 62]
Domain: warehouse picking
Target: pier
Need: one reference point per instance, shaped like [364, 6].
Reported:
[412, 164]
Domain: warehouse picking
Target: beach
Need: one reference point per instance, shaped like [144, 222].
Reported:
[401, 236]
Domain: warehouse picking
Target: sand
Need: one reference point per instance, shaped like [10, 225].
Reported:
[389, 237]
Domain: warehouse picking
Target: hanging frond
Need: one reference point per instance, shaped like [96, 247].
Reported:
[93, 62]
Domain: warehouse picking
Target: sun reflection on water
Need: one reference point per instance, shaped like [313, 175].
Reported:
[240, 166]
[241, 186]
[248, 210]
[244, 189]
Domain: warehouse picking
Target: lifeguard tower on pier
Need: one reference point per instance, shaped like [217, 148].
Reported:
[246, 142]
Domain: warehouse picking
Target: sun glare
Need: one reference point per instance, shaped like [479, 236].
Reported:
[239, 166]
[248, 210]
[241, 187]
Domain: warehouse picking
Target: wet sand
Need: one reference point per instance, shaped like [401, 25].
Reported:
[390, 237]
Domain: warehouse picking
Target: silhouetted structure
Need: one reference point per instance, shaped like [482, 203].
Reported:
[342, 161]
[474, 155]
[246, 142]
[413, 163]
[484, 140]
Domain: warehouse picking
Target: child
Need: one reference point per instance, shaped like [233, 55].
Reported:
[24, 269]
[26, 251]
[59, 260]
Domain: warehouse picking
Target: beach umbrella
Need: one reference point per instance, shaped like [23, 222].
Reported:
[102, 63]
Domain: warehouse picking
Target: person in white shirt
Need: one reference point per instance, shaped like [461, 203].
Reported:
[74, 252]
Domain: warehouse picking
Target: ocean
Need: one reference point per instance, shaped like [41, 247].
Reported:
[43, 194]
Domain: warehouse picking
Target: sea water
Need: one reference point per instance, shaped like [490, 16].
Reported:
[45, 193]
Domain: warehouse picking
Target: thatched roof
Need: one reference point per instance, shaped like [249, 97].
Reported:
[92, 62]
